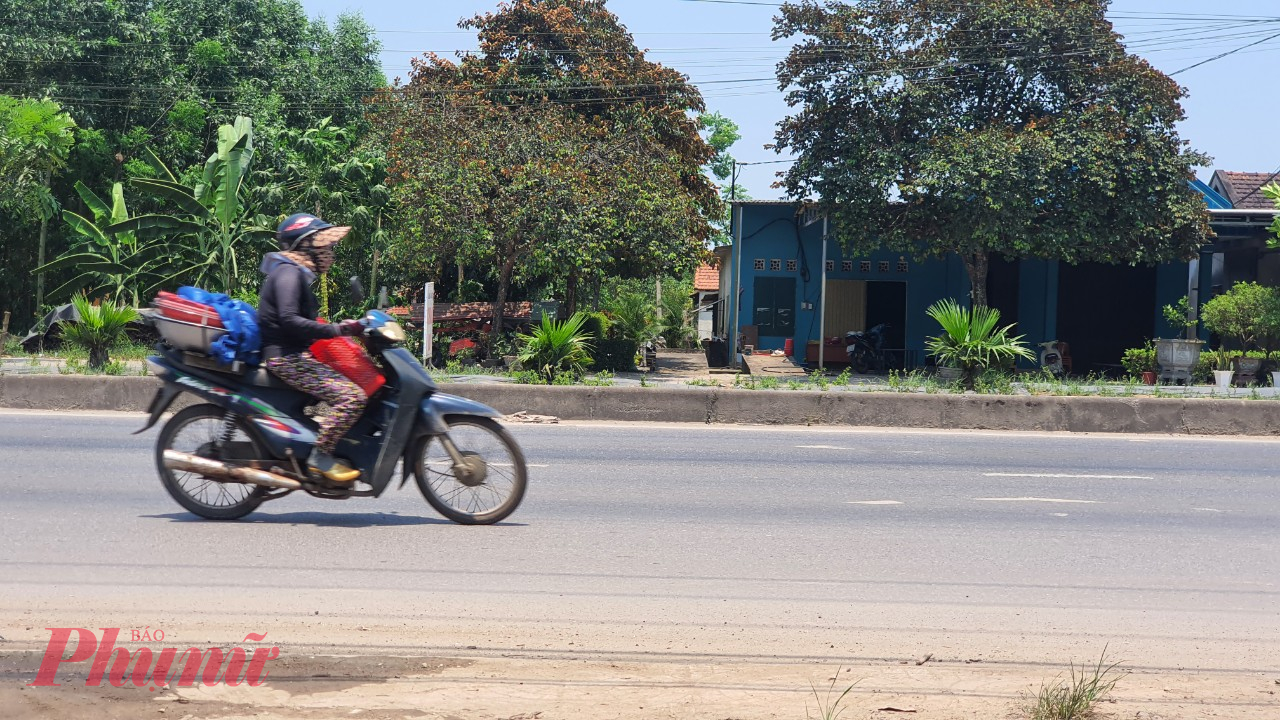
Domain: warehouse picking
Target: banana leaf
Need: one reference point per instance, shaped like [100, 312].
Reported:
[149, 226]
[175, 193]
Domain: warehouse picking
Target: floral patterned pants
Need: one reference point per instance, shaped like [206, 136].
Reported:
[313, 377]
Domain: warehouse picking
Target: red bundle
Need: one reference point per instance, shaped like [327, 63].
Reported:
[184, 310]
[348, 357]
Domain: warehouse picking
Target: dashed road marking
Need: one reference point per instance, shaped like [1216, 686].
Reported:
[1042, 500]
[1069, 477]
[873, 502]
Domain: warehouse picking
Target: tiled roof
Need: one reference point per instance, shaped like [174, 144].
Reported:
[453, 312]
[706, 279]
[1244, 189]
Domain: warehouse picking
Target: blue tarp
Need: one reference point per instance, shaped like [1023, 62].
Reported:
[243, 341]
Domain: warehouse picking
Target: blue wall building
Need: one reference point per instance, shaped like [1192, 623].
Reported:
[1098, 310]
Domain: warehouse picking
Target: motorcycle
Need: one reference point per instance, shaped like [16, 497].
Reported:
[866, 350]
[248, 442]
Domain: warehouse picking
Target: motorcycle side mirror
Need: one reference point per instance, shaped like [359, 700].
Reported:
[355, 289]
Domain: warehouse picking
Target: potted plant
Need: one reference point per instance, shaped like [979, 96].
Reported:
[1222, 369]
[1141, 362]
[1247, 313]
[972, 341]
[1177, 357]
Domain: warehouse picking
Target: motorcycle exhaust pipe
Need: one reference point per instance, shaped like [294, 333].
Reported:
[187, 462]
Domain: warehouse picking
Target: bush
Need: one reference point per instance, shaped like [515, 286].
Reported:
[596, 325]
[614, 355]
[1140, 360]
[1248, 313]
[972, 340]
[557, 348]
[99, 329]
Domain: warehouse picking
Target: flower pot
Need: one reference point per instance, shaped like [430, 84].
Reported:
[1177, 358]
[1149, 377]
[1222, 378]
[1248, 365]
[948, 374]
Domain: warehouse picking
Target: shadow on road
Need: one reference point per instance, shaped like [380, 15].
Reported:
[318, 519]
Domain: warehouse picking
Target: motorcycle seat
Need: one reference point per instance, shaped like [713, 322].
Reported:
[263, 378]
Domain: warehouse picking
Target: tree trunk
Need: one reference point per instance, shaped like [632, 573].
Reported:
[571, 296]
[976, 265]
[98, 357]
[44, 237]
[373, 277]
[504, 281]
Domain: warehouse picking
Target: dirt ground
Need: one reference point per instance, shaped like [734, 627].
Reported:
[306, 684]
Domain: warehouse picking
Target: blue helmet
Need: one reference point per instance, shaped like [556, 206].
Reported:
[296, 228]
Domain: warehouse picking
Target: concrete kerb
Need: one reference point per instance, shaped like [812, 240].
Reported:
[727, 406]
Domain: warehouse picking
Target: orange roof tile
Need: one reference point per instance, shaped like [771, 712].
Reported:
[706, 279]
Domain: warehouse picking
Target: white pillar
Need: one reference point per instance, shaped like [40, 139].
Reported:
[428, 322]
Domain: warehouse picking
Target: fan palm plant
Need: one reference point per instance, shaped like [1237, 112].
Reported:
[555, 348]
[972, 340]
[99, 329]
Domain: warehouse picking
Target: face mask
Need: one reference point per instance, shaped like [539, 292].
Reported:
[323, 258]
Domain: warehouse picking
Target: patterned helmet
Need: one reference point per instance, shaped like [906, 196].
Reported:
[296, 228]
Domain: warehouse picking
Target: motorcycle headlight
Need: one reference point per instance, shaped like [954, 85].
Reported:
[392, 332]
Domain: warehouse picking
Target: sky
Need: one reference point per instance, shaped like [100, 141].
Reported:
[725, 49]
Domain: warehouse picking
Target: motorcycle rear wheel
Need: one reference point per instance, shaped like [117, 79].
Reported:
[486, 501]
[200, 430]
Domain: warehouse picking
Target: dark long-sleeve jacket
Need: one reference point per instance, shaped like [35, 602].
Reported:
[287, 309]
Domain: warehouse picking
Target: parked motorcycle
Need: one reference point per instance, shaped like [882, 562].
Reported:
[866, 350]
[249, 441]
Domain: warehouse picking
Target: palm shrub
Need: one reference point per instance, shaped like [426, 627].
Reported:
[632, 317]
[972, 340]
[99, 328]
[557, 348]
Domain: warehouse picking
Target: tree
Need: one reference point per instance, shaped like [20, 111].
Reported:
[1013, 127]
[118, 262]
[557, 151]
[36, 137]
[722, 134]
[212, 215]
[324, 169]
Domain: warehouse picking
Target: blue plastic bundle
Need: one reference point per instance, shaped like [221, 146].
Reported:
[243, 341]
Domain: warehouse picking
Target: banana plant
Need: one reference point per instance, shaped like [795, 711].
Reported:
[118, 263]
[212, 228]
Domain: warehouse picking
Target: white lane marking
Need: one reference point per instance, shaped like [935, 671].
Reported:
[822, 447]
[1207, 510]
[873, 502]
[1043, 500]
[1072, 477]
[1059, 514]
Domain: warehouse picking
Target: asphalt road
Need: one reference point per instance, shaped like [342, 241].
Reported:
[679, 543]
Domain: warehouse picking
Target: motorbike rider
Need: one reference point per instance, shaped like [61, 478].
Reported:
[287, 311]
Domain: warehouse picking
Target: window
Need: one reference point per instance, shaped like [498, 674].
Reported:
[831, 265]
[775, 306]
[792, 266]
[902, 265]
[884, 266]
[759, 263]
[846, 266]
[865, 266]
[775, 265]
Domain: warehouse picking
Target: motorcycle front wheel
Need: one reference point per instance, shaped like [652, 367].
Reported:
[204, 430]
[491, 485]
[861, 362]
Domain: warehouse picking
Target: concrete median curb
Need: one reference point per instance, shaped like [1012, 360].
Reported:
[1190, 416]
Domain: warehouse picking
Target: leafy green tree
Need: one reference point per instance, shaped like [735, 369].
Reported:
[326, 170]
[1248, 313]
[723, 134]
[36, 137]
[117, 262]
[212, 231]
[558, 151]
[1019, 128]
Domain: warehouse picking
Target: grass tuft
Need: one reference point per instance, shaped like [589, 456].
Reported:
[829, 705]
[1075, 697]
